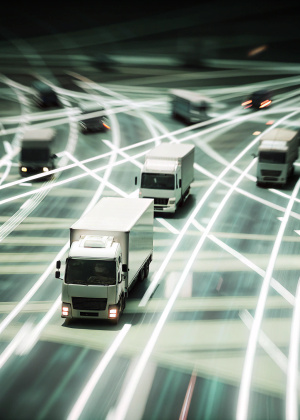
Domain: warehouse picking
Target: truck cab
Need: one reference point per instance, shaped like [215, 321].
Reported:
[277, 152]
[94, 285]
[162, 183]
[166, 175]
[36, 156]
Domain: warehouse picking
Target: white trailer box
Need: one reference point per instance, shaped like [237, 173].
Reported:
[110, 248]
[167, 174]
[190, 106]
[277, 152]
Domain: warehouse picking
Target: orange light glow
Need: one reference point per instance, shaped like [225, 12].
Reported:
[257, 50]
[106, 126]
[265, 103]
[247, 102]
[270, 122]
[256, 133]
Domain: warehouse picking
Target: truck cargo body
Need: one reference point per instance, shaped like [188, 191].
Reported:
[92, 118]
[110, 248]
[167, 174]
[277, 152]
[36, 156]
[189, 106]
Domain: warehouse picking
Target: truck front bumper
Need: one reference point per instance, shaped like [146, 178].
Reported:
[111, 312]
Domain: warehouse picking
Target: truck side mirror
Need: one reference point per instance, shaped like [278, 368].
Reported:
[57, 275]
[180, 183]
[58, 263]
[135, 180]
[124, 268]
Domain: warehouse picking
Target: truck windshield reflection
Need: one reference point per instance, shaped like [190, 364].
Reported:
[157, 181]
[90, 272]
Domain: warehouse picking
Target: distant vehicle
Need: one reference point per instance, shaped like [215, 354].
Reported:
[111, 249]
[258, 100]
[93, 119]
[277, 152]
[36, 156]
[167, 174]
[43, 95]
[189, 106]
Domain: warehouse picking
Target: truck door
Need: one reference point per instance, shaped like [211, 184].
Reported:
[120, 283]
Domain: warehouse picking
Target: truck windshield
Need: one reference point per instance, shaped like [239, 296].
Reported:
[272, 157]
[33, 155]
[158, 181]
[90, 272]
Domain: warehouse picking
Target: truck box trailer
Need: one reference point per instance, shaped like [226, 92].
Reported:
[277, 152]
[167, 175]
[111, 247]
[36, 156]
[189, 106]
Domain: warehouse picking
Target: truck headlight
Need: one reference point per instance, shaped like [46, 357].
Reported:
[45, 169]
[113, 312]
[171, 200]
[65, 310]
[24, 169]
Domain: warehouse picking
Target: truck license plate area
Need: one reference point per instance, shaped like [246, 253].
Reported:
[89, 304]
[89, 314]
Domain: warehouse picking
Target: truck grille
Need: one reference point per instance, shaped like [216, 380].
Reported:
[90, 304]
[163, 201]
[266, 172]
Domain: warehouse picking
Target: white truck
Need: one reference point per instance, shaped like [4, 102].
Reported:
[277, 152]
[167, 175]
[36, 156]
[189, 106]
[111, 247]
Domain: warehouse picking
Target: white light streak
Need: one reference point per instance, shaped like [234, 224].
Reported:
[291, 406]
[13, 345]
[243, 400]
[270, 348]
[89, 388]
[122, 408]
[33, 290]
[167, 225]
[32, 337]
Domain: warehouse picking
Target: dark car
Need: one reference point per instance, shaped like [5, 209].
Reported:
[92, 118]
[258, 100]
[43, 95]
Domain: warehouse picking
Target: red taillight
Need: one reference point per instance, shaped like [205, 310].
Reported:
[265, 103]
[106, 126]
[247, 104]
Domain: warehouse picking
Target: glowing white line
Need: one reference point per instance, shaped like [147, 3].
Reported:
[89, 388]
[270, 348]
[98, 178]
[291, 406]
[274, 283]
[32, 337]
[33, 290]
[247, 194]
[167, 225]
[243, 400]
[158, 274]
[121, 411]
[13, 345]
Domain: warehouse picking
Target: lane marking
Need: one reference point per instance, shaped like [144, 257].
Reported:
[94, 379]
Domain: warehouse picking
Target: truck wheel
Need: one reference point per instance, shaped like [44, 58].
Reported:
[146, 270]
[141, 274]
